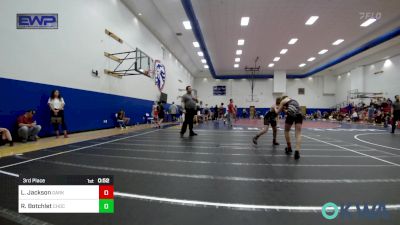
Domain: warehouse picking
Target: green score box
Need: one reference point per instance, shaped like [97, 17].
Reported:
[106, 206]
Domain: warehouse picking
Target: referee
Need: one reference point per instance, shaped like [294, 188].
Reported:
[189, 108]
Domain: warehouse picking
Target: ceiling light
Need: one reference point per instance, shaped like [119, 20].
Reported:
[337, 42]
[323, 51]
[241, 42]
[293, 41]
[236, 65]
[196, 44]
[311, 20]
[239, 52]
[205, 66]
[270, 65]
[237, 59]
[139, 14]
[311, 59]
[205, 79]
[244, 21]
[310, 78]
[200, 54]
[203, 61]
[187, 25]
[276, 59]
[283, 51]
[368, 22]
[387, 63]
[302, 65]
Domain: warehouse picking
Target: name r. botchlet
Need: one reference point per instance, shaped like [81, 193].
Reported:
[37, 206]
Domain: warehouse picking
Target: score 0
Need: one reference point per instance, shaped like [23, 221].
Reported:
[106, 198]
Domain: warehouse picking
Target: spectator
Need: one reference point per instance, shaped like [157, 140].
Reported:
[56, 103]
[206, 112]
[155, 112]
[231, 112]
[319, 115]
[122, 119]
[371, 112]
[236, 113]
[395, 112]
[161, 114]
[378, 117]
[389, 102]
[173, 110]
[27, 127]
[200, 107]
[6, 136]
[215, 116]
[244, 113]
[354, 116]
[349, 107]
[221, 111]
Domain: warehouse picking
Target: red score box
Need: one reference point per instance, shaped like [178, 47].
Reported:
[106, 191]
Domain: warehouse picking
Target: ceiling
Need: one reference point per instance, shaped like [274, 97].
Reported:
[272, 24]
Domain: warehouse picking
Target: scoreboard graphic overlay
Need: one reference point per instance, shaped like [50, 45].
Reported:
[66, 194]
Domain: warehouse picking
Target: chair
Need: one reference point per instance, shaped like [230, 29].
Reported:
[148, 119]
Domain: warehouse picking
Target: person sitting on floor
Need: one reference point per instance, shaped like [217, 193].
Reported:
[122, 120]
[27, 127]
[5, 136]
[354, 116]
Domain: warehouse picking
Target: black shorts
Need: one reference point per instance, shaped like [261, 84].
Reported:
[296, 119]
[270, 118]
[270, 122]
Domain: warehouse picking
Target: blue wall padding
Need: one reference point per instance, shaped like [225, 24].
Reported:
[85, 110]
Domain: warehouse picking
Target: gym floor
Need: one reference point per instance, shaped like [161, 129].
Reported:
[220, 177]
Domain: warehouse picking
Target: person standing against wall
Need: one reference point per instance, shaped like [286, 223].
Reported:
[189, 109]
[56, 103]
[395, 112]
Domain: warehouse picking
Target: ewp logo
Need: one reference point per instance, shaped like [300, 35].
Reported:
[351, 211]
[37, 21]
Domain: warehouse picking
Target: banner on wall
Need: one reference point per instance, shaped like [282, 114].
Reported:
[37, 21]
[160, 74]
[219, 90]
